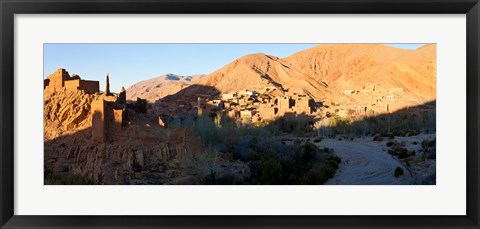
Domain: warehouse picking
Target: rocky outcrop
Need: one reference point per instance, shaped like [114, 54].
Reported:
[143, 152]
[110, 163]
[65, 112]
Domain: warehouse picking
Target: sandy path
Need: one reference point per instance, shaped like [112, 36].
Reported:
[364, 162]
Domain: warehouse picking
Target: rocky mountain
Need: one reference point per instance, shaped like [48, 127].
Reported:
[325, 72]
[159, 87]
[346, 66]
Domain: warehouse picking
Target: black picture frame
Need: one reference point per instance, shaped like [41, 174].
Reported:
[9, 8]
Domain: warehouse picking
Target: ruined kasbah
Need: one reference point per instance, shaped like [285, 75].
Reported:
[246, 106]
[109, 110]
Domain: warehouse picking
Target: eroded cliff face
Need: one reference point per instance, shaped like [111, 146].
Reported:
[66, 112]
[129, 161]
[142, 153]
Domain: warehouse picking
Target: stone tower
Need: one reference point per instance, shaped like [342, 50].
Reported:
[107, 89]
[122, 98]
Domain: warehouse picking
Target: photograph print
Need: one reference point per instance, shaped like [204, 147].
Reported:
[239, 114]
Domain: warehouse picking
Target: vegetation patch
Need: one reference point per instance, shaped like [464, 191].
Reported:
[378, 138]
[428, 143]
[401, 153]
[398, 172]
[390, 143]
[304, 164]
[52, 178]
[413, 133]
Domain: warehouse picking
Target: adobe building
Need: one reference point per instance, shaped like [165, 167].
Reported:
[267, 111]
[109, 116]
[303, 104]
[61, 80]
[141, 106]
[108, 120]
[122, 97]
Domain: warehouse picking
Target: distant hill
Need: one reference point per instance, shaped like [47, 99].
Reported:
[159, 87]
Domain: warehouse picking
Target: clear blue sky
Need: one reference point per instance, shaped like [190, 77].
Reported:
[130, 63]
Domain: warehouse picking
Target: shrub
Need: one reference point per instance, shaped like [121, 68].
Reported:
[329, 171]
[334, 164]
[378, 138]
[209, 178]
[398, 172]
[389, 144]
[413, 153]
[271, 171]
[52, 178]
[331, 165]
[204, 165]
[311, 148]
[413, 133]
[390, 135]
[228, 178]
[336, 159]
[400, 153]
[399, 133]
[315, 177]
[427, 143]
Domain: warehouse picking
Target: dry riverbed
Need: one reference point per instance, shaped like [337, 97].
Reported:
[367, 162]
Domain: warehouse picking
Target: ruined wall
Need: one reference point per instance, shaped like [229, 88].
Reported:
[246, 114]
[115, 120]
[98, 120]
[60, 79]
[72, 85]
[56, 80]
[86, 85]
[233, 114]
[267, 111]
[90, 86]
[302, 105]
[107, 121]
[141, 106]
[283, 103]
[122, 97]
